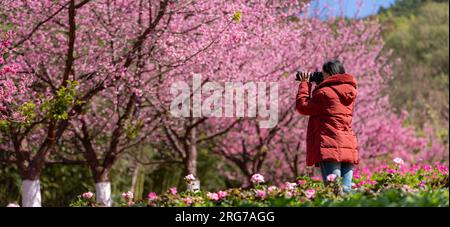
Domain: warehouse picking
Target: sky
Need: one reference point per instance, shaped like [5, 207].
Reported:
[350, 7]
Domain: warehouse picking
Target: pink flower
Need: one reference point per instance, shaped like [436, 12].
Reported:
[442, 169]
[289, 194]
[361, 183]
[173, 190]
[127, 195]
[222, 194]
[187, 200]
[257, 178]
[421, 184]
[391, 171]
[331, 177]
[189, 178]
[87, 195]
[130, 203]
[272, 189]
[301, 182]
[213, 196]
[13, 205]
[260, 193]
[290, 186]
[310, 193]
[152, 196]
[399, 161]
[427, 168]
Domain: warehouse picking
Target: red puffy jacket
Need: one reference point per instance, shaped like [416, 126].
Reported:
[330, 136]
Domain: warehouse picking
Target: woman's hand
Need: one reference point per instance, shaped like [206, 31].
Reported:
[304, 76]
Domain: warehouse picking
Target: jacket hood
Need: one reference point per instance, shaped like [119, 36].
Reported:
[344, 85]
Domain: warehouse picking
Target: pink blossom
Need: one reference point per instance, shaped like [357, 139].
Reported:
[310, 193]
[272, 189]
[289, 194]
[173, 190]
[391, 171]
[222, 194]
[152, 196]
[442, 168]
[421, 184]
[360, 183]
[87, 195]
[131, 203]
[13, 205]
[331, 177]
[301, 182]
[189, 178]
[427, 168]
[260, 193]
[257, 178]
[213, 196]
[290, 186]
[187, 200]
[399, 161]
[127, 195]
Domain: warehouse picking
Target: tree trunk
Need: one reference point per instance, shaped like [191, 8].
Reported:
[102, 187]
[191, 162]
[137, 182]
[103, 193]
[31, 193]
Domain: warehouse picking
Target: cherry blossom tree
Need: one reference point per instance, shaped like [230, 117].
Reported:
[76, 56]
[279, 152]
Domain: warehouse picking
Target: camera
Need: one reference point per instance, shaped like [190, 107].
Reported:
[316, 77]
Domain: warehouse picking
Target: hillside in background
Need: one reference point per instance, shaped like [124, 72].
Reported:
[418, 33]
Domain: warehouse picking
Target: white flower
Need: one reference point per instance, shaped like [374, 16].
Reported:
[257, 178]
[13, 205]
[290, 186]
[399, 161]
[189, 178]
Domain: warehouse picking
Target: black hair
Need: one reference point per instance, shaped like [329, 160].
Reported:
[333, 67]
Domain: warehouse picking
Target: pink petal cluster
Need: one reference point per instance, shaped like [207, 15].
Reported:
[152, 196]
[310, 193]
[213, 196]
[128, 195]
[189, 178]
[272, 189]
[290, 186]
[399, 161]
[222, 194]
[173, 190]
[87, 195]
[260, 194]
[187, 200]
[257, 178]
[331, 177]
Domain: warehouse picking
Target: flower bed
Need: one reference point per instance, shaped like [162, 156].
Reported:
[419, 185]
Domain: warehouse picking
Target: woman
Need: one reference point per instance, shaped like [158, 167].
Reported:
[331, 142]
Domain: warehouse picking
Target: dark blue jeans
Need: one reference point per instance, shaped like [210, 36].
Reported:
[340, 169]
